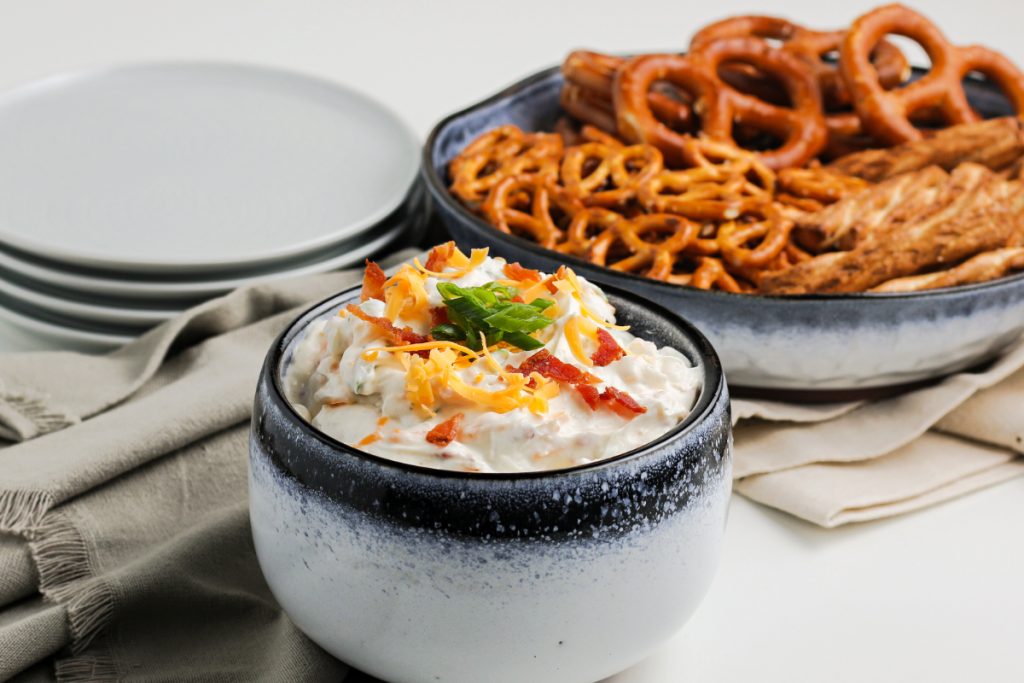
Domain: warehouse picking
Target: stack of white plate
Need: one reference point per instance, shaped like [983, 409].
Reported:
[132, 193]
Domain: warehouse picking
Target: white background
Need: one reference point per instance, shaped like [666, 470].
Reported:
[932, 596]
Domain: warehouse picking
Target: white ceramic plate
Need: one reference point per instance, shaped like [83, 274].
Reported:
[82, 310]
[192, 167]
[63, 335]
[343, 256]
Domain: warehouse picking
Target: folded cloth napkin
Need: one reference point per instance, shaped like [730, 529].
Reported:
[123, 502]
[125, 550]
[854, 462]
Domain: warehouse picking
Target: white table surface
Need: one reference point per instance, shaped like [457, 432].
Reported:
[936, 595]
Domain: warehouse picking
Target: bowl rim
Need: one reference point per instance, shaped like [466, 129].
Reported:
[710, 396]
[439, 189]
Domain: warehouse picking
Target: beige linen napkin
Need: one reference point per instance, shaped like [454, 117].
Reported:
[123, 502]
[859, 461]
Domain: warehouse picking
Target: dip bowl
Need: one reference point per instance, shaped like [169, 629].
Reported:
[423, 575]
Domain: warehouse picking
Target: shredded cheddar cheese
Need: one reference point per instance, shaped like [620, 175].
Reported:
[458, 262]
[405, 296]
[424, 346]
[567, 281]
[575, 328]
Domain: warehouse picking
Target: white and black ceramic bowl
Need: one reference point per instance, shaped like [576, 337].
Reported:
[423, 575]
[819, 346]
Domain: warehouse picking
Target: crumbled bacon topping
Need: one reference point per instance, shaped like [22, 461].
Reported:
[622, 403]
[446, 432]
[438, 316]
[514, 271]
[619, 401]
[547, 365]
[438, 257]
[399, 335]
[373, 282]
[590, 395]
[608, 350]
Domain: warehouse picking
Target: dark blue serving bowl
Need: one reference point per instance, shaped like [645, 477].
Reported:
[820, 346]
[419, 575]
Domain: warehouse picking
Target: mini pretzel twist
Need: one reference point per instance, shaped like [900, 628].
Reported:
[500, 153]
[709, 274]
[771, 235]
[525, 204]
[888, 115]
[647, 245]
[589, 226]
[726, 183]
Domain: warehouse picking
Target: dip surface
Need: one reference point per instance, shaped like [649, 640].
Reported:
[404, 376]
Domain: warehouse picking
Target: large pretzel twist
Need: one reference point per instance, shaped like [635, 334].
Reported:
[887, 114]
[810, 45]
[587, 94]
[801, 128]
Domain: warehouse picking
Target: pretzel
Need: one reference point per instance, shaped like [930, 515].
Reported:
[587, 93]
[818, 184]
[710, 273]
[587, 227]
[604, 175]
[887, 114]
[505, 204]
[651, 241]
[500, 153]
[802, 128]
[772, 235]
[892, 67]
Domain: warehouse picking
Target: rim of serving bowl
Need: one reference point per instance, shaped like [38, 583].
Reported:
[439, 189]
[712, 387]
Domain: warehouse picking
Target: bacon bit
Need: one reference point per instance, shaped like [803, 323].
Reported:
[373, 282]
[401, 335]
[446, 432]
[590, 394]
[622, 403]
[439, 256]
[547, 365]
[515, 271]
[438, 316]
[619, 401]
[608, 350]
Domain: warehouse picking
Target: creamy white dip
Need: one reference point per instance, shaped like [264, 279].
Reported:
[387, 402]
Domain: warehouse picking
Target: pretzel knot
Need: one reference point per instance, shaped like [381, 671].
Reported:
[530, 205]
[887, 114]
[588, 226]
[810, 45]
[724, 186]
[587, 93]
[603, 175]
[647, 244]
[802, 128]
[771, 236]
[710, 273]
[500, 153]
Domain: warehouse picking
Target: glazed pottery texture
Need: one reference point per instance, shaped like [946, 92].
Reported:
[423, 575]
[825, 343]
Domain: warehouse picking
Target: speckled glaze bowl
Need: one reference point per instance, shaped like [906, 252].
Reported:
[822, 347]
[423, 575]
